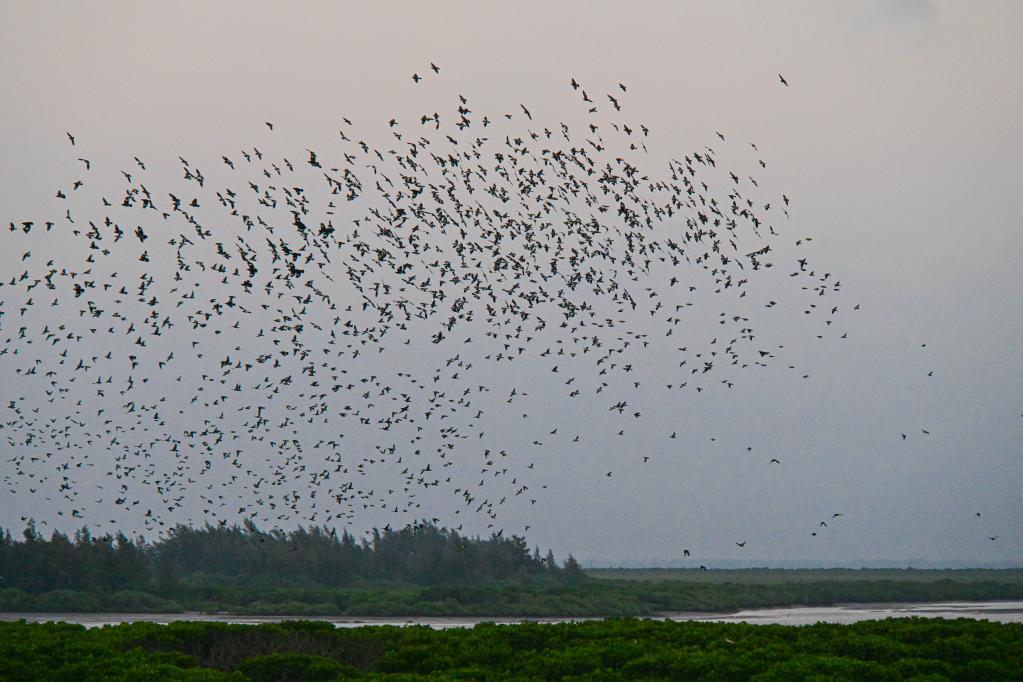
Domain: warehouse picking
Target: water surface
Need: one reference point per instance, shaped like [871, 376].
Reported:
[999, 611]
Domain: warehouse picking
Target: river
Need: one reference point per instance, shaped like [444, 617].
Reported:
[1000, 611]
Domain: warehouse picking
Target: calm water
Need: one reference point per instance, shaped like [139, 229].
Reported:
[1000, 611]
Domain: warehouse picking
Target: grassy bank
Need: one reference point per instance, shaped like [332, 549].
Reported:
[535, 597]
[751, 576]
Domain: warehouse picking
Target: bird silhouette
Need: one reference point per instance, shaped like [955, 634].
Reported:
[289, 285]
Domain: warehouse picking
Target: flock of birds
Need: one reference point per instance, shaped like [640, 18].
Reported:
[357, 329]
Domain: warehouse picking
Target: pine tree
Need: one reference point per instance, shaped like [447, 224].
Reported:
[572, 572]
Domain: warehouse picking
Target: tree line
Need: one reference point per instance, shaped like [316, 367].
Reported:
[420, 553]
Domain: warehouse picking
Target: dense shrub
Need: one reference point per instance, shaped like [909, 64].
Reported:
[893, 649]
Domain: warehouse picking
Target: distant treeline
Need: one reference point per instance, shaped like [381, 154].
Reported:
[538, 597]
[419, 554]
[420, 570]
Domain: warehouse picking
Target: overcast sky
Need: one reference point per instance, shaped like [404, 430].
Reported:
[897, 140]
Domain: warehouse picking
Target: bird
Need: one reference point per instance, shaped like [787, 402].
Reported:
[286, 289]
[783, 81]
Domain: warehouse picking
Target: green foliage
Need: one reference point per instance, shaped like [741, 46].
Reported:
[534, 597]
[420, 570]
[221, 556]
[294, 668]
[894, 649]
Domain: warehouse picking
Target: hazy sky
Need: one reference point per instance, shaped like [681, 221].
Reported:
[897, 140]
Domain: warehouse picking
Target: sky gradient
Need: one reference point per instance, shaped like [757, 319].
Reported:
[897, 140]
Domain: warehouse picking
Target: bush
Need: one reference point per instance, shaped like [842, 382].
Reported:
[139, 602]
[14, 600]
[609, 649]
[66, 600]
[294, 668]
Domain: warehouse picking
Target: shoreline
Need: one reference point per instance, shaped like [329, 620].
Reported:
[1011, 610]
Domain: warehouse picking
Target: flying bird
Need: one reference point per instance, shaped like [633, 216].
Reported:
[288, 291]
